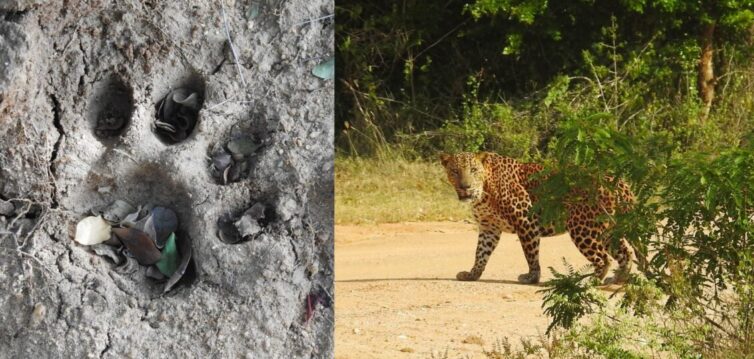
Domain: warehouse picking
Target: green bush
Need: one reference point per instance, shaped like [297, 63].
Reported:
[695, 226]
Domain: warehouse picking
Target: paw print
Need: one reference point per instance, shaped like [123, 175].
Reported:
[148, 146]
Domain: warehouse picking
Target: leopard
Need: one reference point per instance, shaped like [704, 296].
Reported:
[501, 192]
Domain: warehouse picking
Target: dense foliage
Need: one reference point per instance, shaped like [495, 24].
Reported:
[691, 227]
[416, 77]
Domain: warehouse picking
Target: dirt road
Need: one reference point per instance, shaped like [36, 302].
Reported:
[397, 297]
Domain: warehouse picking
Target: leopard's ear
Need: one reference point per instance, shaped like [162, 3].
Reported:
[482, 156]
[444, 159]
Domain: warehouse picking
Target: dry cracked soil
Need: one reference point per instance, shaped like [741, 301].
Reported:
[66, 65]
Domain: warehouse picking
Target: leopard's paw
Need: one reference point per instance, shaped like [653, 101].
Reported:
[529, 278]
[617, 279]
[596, 281]
[621, 276]
[466, 276]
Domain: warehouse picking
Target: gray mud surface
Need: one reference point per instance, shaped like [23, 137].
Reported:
[63, 65]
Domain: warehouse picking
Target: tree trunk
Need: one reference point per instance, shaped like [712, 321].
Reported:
[706, 69]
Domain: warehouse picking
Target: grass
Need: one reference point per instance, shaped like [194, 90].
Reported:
[388, 191]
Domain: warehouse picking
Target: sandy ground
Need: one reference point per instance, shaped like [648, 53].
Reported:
[397, 297]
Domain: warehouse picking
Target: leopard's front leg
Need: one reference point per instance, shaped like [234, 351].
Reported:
[489, 235]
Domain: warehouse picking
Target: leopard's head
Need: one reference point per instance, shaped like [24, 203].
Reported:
[466, 173]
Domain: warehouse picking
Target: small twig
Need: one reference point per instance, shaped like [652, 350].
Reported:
[309, 308]
[721, 328]
[313, 58]
[74, 35]
[599, 86]
[327, 293]
[27, 255]
[364, 94]
[202, 202]
[230, 42]
[440, 39]
[124, 153]
[224, 101]
[31, 231]
[314, 19]
[21, 213]
[727, 80]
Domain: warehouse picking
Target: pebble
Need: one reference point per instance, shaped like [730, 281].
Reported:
[248, 226]
[38, 314]
[242, 146]
[92, 230]
[312, 268]
[6, 208]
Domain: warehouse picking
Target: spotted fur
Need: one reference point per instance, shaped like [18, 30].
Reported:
[499, 189]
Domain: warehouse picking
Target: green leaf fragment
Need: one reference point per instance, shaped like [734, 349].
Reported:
[253, 11]
[325, 70]
[168, 263]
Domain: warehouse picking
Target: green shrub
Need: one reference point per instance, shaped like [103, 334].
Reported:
[568, 297]
[488, 126]
[695, 226]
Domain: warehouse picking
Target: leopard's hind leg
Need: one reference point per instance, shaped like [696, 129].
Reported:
[586, 233]
[530, 244]
[529, 232]
[622, 255]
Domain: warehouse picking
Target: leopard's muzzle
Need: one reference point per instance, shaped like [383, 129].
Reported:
[467, 194]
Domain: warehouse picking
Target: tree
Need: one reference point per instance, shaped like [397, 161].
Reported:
[713, 22]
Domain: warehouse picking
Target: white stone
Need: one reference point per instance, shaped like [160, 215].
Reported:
[92, 230]
[248, 226]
